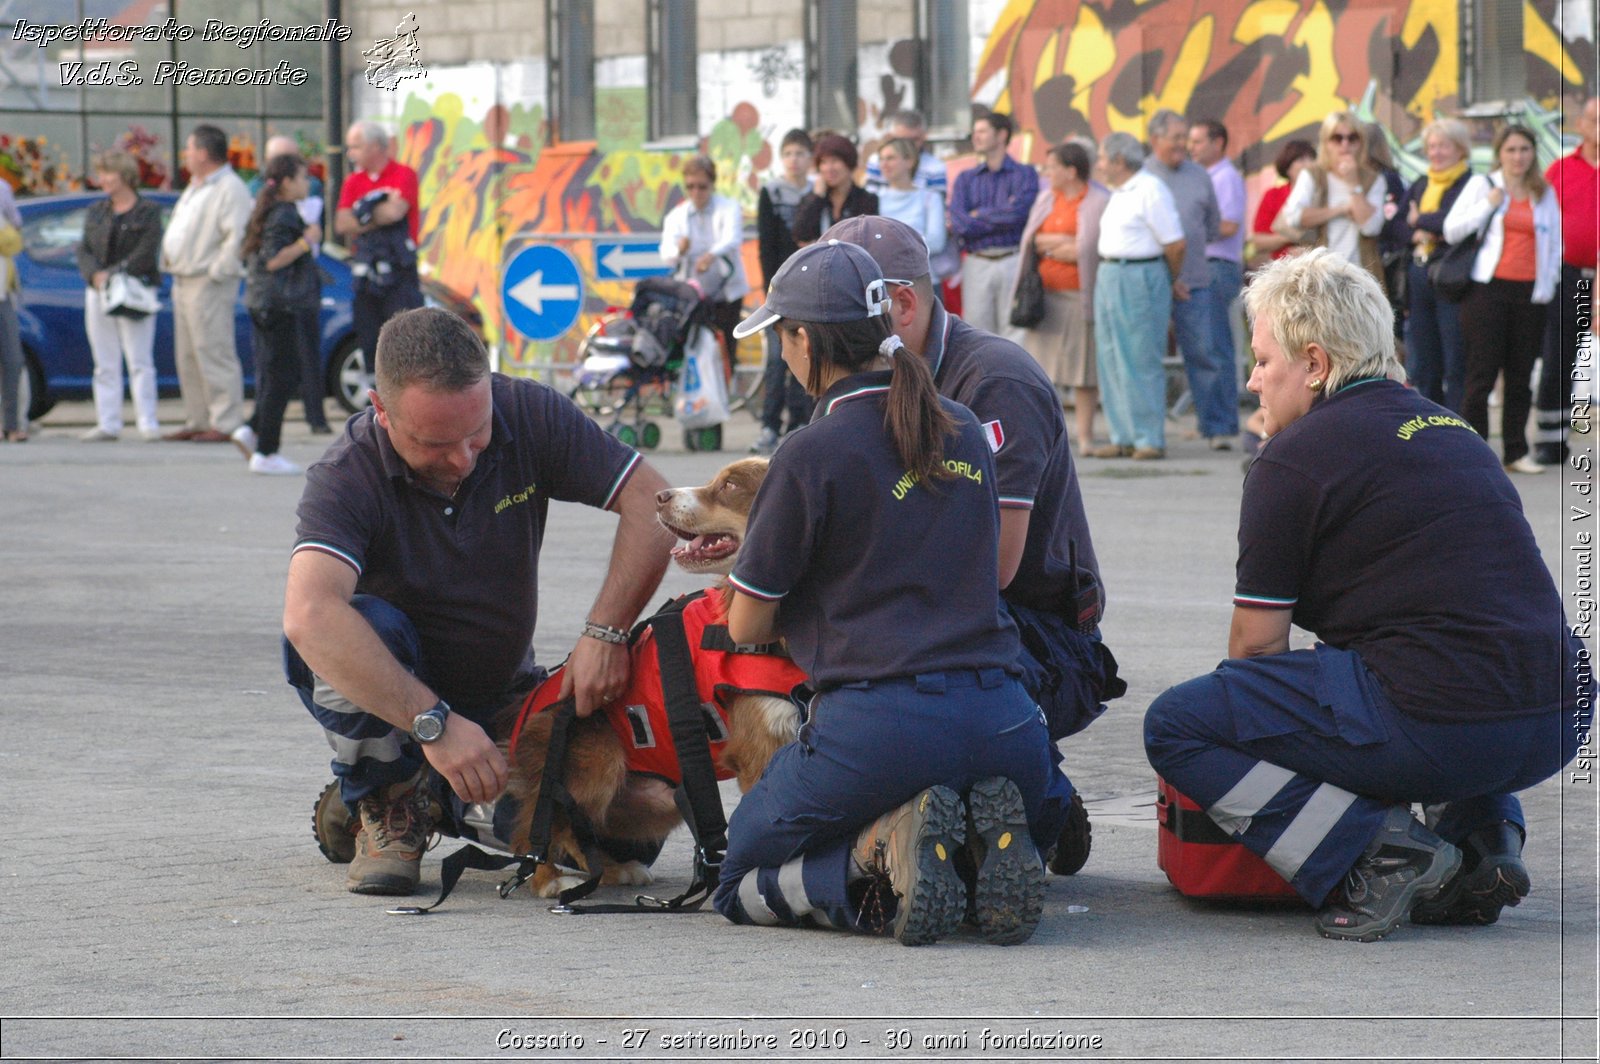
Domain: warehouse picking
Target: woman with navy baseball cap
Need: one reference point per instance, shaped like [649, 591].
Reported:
[915, 792]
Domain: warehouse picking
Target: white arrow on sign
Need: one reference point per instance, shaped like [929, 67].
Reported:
[532, 292]
[620, 259]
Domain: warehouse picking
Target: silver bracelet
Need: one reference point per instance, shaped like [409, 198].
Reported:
[605, 633]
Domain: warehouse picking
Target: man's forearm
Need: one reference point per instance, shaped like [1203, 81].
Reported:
[342, 649]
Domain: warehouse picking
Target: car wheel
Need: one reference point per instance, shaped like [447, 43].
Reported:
[35, 397]
[350, 377]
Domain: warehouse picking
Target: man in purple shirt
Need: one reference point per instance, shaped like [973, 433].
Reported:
[1208, 147]
[988, 210]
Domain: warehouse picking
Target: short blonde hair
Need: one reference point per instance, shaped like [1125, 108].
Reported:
[1452, 129]
[120, 163]
[1320, 297]
[1329, 126]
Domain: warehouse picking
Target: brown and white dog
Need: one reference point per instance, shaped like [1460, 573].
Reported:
[605, 750]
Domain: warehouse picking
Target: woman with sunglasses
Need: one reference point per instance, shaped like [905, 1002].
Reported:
[1337, 201]
[703, 239]
[1436, 359]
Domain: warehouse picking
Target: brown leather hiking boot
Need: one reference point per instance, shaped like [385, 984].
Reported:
[913, 848]
[388, 849]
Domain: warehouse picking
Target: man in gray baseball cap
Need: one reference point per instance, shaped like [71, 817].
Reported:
[1049, 578]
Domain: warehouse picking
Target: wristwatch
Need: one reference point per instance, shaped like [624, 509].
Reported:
[428, 727]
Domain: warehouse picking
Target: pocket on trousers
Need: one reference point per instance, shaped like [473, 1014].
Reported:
[1350, 694]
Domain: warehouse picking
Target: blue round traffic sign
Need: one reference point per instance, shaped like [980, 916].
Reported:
[542, 291]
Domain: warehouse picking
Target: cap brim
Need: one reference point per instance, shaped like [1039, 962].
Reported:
[763, 318]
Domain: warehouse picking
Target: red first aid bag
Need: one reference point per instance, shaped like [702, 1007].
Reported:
[1203, 861]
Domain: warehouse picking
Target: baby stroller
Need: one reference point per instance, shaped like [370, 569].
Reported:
[630, 363]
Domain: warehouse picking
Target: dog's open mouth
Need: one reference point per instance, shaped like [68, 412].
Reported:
[703, 547]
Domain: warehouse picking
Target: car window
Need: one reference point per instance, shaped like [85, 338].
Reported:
[52, 239]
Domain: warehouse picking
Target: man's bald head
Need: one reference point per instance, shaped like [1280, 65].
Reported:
[281, 145]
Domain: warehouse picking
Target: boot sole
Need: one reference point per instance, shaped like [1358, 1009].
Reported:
[330, 826]
[1476, 898]
[385, 883]
[1009, 892]
[1446, 861]
[1072, 848]
[936, 899]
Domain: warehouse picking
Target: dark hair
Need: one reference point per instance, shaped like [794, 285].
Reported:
[280, 168]
[702, 165]
[1070, 153]
[212, 141]
[1292, 152]
[1214, 129]
[916, 422]
[430, 347]
[1535, 180]
[839, 148]
[998, 121]
[800, 137]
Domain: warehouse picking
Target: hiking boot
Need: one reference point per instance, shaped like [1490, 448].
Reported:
[394, 832]
[1008, 891]
[1404, 863]
[913, 848]
[1492, 876]
[333, 826]
[1072, 847]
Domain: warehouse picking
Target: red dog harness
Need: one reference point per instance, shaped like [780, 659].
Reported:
[722, 671]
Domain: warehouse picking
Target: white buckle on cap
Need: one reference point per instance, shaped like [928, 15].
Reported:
[877, 297]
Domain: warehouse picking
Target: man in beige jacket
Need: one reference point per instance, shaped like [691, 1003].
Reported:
[201, 251]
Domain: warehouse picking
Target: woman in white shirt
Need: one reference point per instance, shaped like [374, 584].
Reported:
[1513, 280]
[1338, 201]
[902, 199]
[704, 234]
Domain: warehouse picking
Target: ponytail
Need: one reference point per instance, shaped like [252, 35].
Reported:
[280, 168]
[914, 418]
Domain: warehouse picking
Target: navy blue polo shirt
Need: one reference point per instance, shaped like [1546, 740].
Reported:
[465, 570]
[1017, 405]
[877, 574]
[1388, 527]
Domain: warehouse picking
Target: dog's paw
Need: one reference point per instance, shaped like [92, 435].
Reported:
[629, 874]
[556, 885]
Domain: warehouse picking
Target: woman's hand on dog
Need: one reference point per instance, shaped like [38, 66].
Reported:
[595, 674]
[468, 760]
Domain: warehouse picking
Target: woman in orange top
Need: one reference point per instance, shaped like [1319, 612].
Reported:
[1064, 228]
[1513, 280]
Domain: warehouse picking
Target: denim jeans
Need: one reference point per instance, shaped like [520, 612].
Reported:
[1436, 356]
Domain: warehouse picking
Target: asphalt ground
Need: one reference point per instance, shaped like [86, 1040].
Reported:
[161, 896]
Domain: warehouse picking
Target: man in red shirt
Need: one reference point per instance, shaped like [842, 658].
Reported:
[381, 231]
[1576, 180]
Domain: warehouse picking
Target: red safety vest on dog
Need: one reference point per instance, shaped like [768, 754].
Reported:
[721, 671]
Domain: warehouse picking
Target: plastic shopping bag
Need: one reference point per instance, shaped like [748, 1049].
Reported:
[702, 399]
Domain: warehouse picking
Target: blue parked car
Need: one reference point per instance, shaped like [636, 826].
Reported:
[59, 364]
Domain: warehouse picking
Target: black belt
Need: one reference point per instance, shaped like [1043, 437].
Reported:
[1130, 262]
[995, 253]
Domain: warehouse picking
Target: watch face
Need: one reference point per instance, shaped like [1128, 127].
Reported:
[427, 727]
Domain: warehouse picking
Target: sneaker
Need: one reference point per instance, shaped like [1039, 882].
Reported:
[1403, 864]
[273, 465]
[388, 848]
[244, 438]
[1008, 893]
[1526, 464]
[151, 435]
[1219, 443]
[333, 826]
[1492, 876]
[766, 443]
[1072, 847]
[321, 428]
[913, 849]
[99, 435]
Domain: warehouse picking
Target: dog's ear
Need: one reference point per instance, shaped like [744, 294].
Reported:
[748, 474]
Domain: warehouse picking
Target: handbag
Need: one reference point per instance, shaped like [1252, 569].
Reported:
[1450, 271]
[702, 399]
[128, 297]
[1027, 302]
